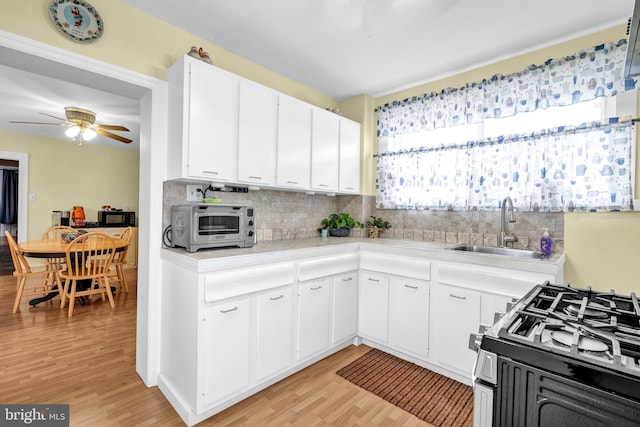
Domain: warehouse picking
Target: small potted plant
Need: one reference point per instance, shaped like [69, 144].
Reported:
[375, 224]
[339, 224]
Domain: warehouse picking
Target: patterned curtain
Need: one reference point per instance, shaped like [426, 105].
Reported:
[583, 168]
[582, 77]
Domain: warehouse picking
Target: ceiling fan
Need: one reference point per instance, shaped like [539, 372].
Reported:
[80, 122]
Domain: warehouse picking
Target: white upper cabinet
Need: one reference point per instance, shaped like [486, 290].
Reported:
[257, 134]
[349, 156]
[203, 128]
[294, 143]
[325, 150]
[228, 129]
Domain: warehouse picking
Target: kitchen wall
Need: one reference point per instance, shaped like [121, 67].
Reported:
[282, 215]
[63, 174]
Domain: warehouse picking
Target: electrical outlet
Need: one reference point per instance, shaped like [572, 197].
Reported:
[193, 195]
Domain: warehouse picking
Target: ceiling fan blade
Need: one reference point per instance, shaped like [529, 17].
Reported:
[112, 135]
[111, 127]
[54, 117]
[40, 123]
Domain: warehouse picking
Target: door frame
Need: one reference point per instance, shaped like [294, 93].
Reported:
[23, 185]
[152, 93]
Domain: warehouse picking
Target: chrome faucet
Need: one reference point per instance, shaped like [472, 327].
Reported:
[506, 237]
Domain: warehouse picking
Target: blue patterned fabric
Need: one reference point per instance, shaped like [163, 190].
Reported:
[585, 76]
[584, 168]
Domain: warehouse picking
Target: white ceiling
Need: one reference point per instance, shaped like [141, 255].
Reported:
[340, 47]
[351, 47]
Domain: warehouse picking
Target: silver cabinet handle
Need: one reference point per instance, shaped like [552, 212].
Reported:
[292, 182]
[255, 177]
[410, 287]
[373, 280]
[315, 289]
[323, 185]
[276, 298]
[457, 297]
[211, 172]
[229, 310]
[347, 279]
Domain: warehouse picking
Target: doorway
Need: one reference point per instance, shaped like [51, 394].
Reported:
[9, 218]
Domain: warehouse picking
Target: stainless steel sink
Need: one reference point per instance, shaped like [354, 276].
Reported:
[520, 253]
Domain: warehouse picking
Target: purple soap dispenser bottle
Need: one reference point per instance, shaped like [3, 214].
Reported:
[546, 243]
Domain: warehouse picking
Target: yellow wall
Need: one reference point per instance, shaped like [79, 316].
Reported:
[63, 174]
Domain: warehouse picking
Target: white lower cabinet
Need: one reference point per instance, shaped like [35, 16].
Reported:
[314, 300]
[409, 315]
[456, 313]
[373, 306]
[345, 307]
[226, 338]
[274, 337]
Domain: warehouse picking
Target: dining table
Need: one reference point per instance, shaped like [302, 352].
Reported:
[55, 248]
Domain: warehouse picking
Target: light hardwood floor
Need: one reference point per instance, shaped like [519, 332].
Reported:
[88, 362]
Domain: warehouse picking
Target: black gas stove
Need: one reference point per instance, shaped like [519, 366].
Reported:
[560, 348]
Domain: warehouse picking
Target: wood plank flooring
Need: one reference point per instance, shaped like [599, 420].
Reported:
[88, 362]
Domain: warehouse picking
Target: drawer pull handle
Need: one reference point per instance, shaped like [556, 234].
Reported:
[255, 177]
[373, 280]
[410, 287]
[276, 298]
[211, 172]
[292, 182]
[457, 297]
[229, 310]
[347, 279]
[323, 185]
[315, 289]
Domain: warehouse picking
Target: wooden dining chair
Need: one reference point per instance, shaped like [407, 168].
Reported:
[120, 259]
[88, 258]
[22, 271]
[54, 265]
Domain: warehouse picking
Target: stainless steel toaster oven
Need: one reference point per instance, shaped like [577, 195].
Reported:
[204, 226]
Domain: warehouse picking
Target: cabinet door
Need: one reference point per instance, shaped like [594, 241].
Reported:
[492, 304]
[456, 314]
[313, 317]
[325, 150]
[226, 345]
[349, 156]
[373, 307]
[409, 315]
[345, 307]
[257, 134]
[294, 143]
[274, 333]
[213, 123]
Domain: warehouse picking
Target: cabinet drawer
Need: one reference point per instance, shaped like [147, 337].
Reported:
[418, 268]
[230, 283]
[327, 266]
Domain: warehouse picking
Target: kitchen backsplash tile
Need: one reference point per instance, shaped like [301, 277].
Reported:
[282, 215]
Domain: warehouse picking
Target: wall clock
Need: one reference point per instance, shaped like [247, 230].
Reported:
[77, 20]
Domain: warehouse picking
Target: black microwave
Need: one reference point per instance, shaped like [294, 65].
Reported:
[117, 218]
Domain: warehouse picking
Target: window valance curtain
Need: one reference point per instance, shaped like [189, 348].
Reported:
[584, 168]
[584, 76]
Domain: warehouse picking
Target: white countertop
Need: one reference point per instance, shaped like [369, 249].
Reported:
[271, 251]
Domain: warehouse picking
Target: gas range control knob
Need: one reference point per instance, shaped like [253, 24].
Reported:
[250, 233]
[474, 341]
[250, 223]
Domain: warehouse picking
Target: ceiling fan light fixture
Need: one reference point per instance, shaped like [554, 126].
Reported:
[88, 134]
[72, 131]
